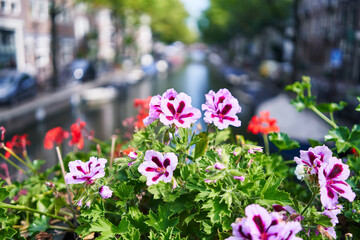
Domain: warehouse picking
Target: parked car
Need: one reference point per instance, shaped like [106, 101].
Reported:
[16, 86]
[79, 70]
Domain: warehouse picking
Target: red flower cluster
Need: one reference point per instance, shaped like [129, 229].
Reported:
[77, 138]
[18, 143]
[55, 135]
[263, 124]
[143, 105]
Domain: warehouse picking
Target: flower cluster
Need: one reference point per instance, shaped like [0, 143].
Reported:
[330, 174]
[55, 135]
[17, 143]
[221, 109]
[88, 172]
[260, 224]
[172, 108]
[263, 124]
[175, 108]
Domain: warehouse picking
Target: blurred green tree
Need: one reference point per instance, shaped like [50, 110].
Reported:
[168, 18]
[224, 20]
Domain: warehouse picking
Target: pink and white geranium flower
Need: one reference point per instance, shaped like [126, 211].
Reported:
[260, 224]
[87, 172]
[332, 214]
[157, 167]
[179, 111]
[313, 158]
[221, 109]
[332, 176]
[155, 105]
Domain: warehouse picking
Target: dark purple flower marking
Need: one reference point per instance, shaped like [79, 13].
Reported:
[81, 172]
[179, 111]
[157, 167]
[313, 158]
[259, 224]
[332, 176]
[221, 109]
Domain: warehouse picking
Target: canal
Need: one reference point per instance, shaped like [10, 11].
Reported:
[196, 77]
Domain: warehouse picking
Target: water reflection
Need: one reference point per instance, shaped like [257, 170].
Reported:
[195, 78]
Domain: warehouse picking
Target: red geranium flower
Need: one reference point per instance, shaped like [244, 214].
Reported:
[55, 135]
[77, 138]
[18, 143]
[143, 105]
[263, 124]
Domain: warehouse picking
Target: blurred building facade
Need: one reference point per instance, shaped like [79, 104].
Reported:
[25, 35]
[25, 30]
[329, 38]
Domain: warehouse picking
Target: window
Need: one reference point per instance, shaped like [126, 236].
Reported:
[40, 9]
[2, 6]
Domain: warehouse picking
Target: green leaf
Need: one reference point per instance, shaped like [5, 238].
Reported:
[39, 224]
[323, 220]
[314, 143]
[299, 105]
[201, 145]
[124, 191]
[164, 191]
[340, 135]
[331, 107]
[270, 194]
[107, 229]
[3, 194]
[358, 107]
[3, 216]
[93, 213]
[7, 233]
[133, 234]
[354, 137]
[161, 221]
[218, 210]
[37, 164]
[282, 141]
[183, 134]
[222, 136]
[59, 203]
[123, 226]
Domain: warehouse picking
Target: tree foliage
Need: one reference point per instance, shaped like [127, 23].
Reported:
[227, 19]
[167, 17]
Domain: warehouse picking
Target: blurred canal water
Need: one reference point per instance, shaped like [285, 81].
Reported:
[196, 77]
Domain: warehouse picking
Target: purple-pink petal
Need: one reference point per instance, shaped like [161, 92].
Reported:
[157, 167]
[221, 109]
[260, 224]
[105, 192]
[179, 111]
[81, 172]
[332, 176]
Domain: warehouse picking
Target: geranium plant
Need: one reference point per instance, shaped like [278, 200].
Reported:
[175, 180]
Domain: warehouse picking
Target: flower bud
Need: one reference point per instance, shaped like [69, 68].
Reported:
[105, 192]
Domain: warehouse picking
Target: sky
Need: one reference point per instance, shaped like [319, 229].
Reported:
[194, 8]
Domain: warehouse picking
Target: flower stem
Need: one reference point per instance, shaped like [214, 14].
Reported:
[12, 163]
[113, 141]
[325, 118]
[63, 172]
[308, 205]
[28, 209]
[17, 157]
[266, 144]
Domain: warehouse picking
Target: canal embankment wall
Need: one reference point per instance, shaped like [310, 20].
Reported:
[48, 104]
